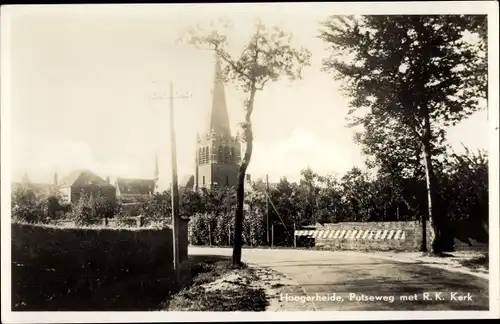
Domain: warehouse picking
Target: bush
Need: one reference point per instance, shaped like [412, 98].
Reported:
[92, 208]
[27, 214]
[31, 206]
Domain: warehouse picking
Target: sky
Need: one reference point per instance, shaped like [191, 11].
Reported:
[82, 83]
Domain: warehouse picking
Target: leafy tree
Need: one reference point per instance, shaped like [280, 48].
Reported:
[464, 188]
[392, 149]
[309, 181]
[357, 195]
[83, 212]
[157, 207]
[191, 202]
[34, 206]
[288, 203]
[329, 203]
[268, 56]
[24, 206]
[91, 208]
[417, 71]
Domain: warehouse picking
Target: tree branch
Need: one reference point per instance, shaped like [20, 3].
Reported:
[222, 54]
[263, 83]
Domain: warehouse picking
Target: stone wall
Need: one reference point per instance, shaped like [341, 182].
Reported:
[375, 236]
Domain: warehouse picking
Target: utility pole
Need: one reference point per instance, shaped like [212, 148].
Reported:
[175, 186]
[267, 207]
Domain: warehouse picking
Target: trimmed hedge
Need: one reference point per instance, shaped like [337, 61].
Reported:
[50, 264]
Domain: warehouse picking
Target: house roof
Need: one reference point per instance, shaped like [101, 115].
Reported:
[82, 177]
[136, 186]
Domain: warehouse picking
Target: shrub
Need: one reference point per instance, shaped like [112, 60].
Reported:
[31, 206]
[92, 208]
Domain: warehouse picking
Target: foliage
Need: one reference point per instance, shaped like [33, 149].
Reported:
[464, 188]
[35, 206]
[409, 77]
[159, 206]
[91, 208]
[354, 196]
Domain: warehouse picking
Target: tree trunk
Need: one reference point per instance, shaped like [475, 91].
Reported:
[240, 189]
[433, 217]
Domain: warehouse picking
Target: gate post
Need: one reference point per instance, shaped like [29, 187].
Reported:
[294, 237]
[139, 221]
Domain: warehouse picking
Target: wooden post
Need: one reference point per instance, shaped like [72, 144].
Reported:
[229, 234]
[272, 235]
[267, 208]
[105, 221]
[294, 237]
[175, 188]
[139, 221]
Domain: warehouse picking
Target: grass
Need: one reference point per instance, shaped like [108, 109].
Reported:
[150, 291]
[198, 297]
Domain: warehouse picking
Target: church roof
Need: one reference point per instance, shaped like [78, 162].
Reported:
[136, 186]
[187, 181]
[218, 119]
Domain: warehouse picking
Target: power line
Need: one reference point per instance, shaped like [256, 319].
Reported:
[274, 207]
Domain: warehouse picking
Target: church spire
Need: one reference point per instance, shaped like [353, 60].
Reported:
[218, 118]
[157, 171]
[25, 178]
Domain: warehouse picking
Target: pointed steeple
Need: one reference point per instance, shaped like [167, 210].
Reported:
[218, 117]
[26, 179]
[157, 170]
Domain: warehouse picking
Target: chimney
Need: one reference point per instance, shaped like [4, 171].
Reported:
[249, 178]
[55, 178]
[107, 179]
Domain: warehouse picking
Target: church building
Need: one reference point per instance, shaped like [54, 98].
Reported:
[218, 152]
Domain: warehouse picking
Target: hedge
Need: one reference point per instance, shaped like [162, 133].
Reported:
[50, 264]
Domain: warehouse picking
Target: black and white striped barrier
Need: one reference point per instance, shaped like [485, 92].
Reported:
[353, 234]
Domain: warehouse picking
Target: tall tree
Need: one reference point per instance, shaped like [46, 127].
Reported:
[419, 71]
[309, 180]
[329, 199]
[267, 56]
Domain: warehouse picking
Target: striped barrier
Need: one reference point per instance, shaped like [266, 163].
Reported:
[353, 234]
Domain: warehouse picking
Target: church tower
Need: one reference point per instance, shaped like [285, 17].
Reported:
[218, 153]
